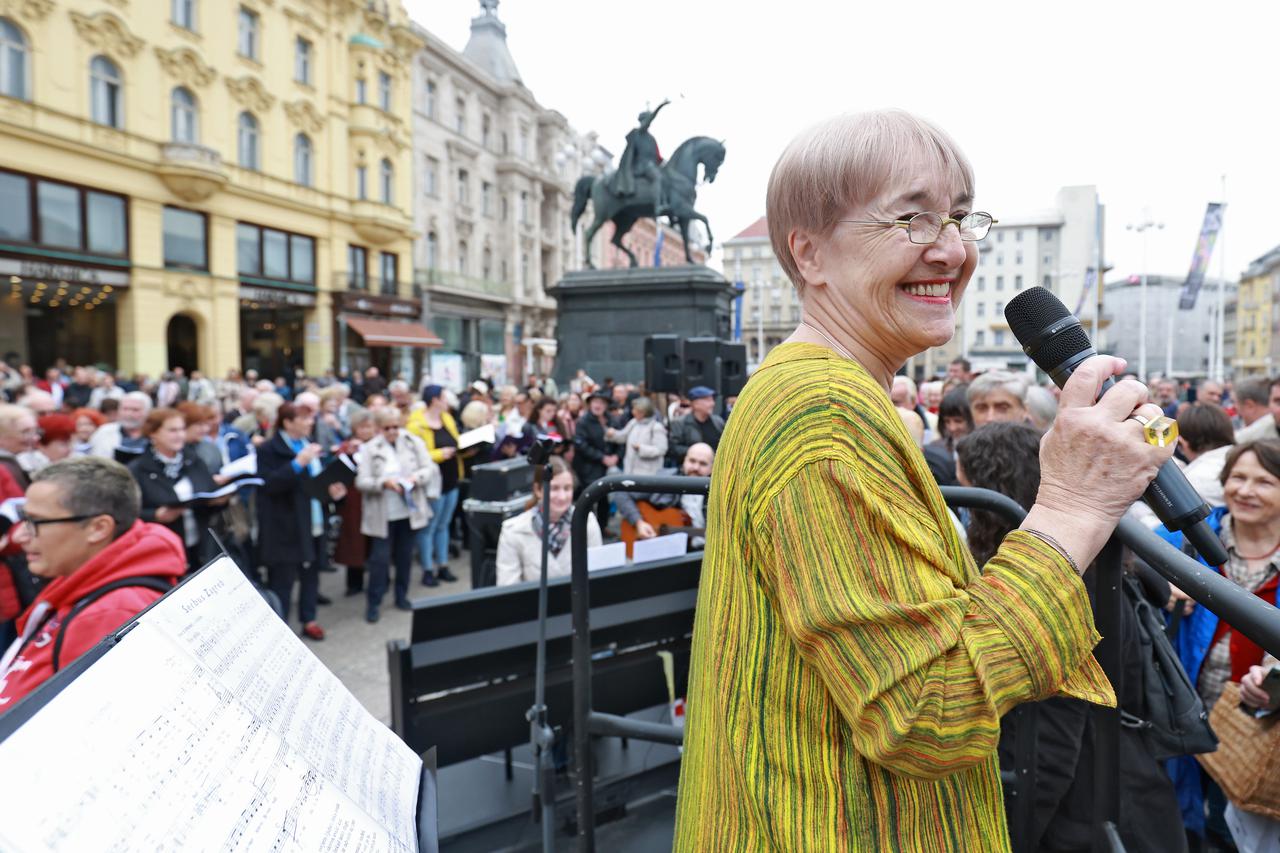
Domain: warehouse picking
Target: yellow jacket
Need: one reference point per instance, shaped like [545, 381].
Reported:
[418, 426]
[850, 663]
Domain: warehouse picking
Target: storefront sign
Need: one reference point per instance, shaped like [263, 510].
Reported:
[272, 296]
[383, 305]
[53, 272]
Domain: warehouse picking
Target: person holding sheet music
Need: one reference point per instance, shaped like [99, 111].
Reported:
[398, 482]
[169, 475]
[436, 427]
[290, 522]
[520, 542]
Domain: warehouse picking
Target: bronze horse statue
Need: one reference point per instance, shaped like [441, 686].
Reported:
[680, 179]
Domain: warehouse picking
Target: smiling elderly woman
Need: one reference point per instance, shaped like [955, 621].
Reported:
[850, 662]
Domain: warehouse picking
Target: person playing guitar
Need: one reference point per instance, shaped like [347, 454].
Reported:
[647, 516]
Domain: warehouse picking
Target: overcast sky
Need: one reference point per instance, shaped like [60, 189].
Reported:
[1152, 103]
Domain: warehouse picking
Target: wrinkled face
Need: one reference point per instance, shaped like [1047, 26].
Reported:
[703, 407]
[997, 405]
[22, 435]
[1252, 492]
[1166, 392]
[697, 461]
[171, 436]
[899, 297]
[365, 430]
[132, 413]
[933, 397]
[1210, 392]
[597, 406]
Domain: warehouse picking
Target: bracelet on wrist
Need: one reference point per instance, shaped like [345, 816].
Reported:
[1054, 544]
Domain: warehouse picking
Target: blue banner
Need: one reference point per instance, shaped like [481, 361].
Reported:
[1200, 259]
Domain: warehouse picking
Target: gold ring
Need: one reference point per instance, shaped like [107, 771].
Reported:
[1161, 431]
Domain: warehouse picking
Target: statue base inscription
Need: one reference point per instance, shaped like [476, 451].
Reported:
[605, 315]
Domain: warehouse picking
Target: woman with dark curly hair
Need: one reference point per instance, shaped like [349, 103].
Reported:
[1005, 457]
[955, 421]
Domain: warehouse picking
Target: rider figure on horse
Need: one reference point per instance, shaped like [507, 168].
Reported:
[641, 158]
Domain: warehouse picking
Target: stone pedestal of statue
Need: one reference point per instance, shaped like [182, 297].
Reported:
[604, 316]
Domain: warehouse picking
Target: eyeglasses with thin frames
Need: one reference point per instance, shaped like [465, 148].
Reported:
[924, 228]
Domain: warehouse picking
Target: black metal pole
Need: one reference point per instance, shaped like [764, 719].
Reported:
[540, 734]
[584, 769]
[1108, 601]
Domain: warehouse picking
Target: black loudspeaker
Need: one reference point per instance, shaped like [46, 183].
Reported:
[701, 364]
[733, 368]
[662, 360]
[501, 480]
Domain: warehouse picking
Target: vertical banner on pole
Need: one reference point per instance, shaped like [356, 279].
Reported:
[1200, 259]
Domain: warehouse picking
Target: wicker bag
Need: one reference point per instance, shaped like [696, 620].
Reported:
[1247, 763]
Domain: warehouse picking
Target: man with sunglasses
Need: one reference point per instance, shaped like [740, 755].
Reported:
[80, 531]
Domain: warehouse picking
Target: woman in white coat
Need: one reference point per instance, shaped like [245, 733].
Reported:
[645, 438]
[397, 481]
[520, 543]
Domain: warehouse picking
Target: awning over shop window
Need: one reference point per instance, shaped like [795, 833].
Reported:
[390, 333]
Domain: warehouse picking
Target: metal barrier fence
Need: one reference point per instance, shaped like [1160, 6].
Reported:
[1244, 611]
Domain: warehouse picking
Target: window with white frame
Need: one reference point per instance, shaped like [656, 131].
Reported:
[247, 142]
[386, 182]
[183, 14]
[302, 165]
[302, 61]
[182, 115]
[15, 57]
[247, 34]
[105, 93]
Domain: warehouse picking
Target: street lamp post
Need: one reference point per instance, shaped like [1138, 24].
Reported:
[1142, 228]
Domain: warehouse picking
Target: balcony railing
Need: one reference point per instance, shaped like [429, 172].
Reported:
[366, 284]
[458, 281]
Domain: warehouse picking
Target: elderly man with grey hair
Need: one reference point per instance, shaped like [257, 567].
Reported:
[18, 436]
[998, 395]
[125, 433]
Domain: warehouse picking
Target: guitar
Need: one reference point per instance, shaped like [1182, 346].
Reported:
[664, 521]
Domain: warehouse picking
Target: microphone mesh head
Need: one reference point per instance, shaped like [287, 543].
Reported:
[1036, 309]
[1032, 311]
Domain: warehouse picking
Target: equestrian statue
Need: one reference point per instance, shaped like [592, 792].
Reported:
[646, 186]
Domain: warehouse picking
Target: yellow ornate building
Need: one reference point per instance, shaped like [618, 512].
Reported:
[1257, 346]
[205, 182]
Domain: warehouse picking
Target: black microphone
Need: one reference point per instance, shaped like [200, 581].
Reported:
[1053, 338]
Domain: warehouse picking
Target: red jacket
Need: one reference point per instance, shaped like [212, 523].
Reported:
[145, 549]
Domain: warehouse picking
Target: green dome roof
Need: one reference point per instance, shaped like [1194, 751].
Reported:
[366, 41]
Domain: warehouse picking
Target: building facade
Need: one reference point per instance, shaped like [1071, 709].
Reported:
[494, 188]
[1058, 249]
[1257, 347]
[1178, 342]
[768, 309]
[206, 184]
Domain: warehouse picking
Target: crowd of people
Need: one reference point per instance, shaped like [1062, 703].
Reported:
[139, 469]
[176, 451]
[985, 431]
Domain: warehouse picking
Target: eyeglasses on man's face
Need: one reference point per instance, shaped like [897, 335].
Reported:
[924, 228]
[30, 527]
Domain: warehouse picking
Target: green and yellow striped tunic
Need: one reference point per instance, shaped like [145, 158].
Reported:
[850, 663]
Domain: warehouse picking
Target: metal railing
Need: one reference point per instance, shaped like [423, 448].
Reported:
[1244, 611]
[469, 284]
[366, 284]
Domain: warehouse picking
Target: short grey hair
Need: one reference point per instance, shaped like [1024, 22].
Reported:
[644, 404]
[359, 416]
[1042, 406]
[997, 380]
[10, 414]
[849, 160]
[90, 485]
[398, 385]
[1255, 388]
[139, 397]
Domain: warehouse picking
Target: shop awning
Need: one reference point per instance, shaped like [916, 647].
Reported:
[392, 333]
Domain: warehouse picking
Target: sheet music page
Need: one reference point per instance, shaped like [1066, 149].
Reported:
[210, 726]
